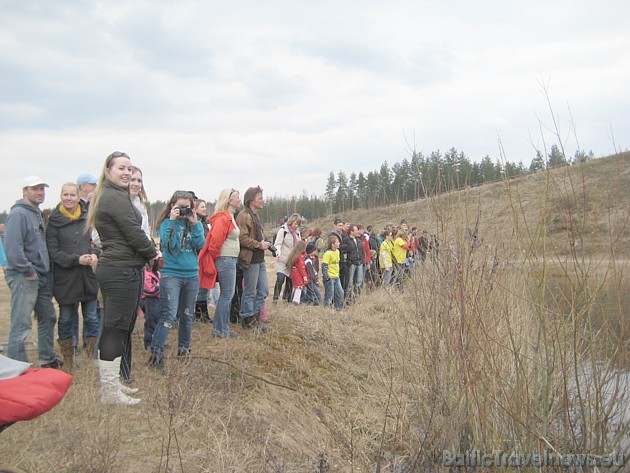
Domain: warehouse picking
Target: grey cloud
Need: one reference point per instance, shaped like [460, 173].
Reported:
[414, 66]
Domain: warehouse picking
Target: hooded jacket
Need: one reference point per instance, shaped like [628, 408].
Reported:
[25, 241]
[67, 240]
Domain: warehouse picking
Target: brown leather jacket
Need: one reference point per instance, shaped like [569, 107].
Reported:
[247, 237]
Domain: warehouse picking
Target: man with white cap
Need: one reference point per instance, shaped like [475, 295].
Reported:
[27, 274]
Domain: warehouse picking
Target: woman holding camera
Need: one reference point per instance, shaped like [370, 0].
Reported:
[223, 246]
[181, 238]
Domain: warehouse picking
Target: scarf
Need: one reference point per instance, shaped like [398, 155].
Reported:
[72, 215]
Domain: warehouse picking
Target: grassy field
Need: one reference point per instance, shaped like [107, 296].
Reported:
[484, 351]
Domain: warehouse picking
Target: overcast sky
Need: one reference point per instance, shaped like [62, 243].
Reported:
[205, 95]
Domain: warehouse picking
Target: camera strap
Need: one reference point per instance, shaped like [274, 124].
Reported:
[185, 232]
[258, 225]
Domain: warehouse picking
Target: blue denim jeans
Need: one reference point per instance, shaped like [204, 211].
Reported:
[65, 326]
[152, 312]
[177, 302]
[352, 270]
[312, 295]
[387, 277]
[226, 275]
[203, 294]
[28, 296]
[359, 277]
[255, 289]
[333, 290]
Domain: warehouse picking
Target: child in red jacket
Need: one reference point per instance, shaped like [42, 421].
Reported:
[311, 293]
[299, 275]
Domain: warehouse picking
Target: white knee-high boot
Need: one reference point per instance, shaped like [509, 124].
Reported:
[127, 389]
[123, 388]
[111, 392]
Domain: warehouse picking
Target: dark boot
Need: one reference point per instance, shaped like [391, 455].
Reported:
[91, 347]
[201, 312]
[157, 363]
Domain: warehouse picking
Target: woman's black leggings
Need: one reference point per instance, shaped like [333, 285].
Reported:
[121, 289]
[288, 287]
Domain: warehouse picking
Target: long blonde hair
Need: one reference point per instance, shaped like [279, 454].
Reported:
[296, 251]
[105, 176]
[223, 202]
[142, 195]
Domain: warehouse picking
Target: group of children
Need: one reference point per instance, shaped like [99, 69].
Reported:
[305, 269]
[304, 264]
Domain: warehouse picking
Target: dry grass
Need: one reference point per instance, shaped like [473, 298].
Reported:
[480, 352]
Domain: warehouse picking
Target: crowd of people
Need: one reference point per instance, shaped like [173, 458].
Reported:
[94, 254]
[351, 258]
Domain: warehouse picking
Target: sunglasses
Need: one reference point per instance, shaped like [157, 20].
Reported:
[183, 195]
[118, 154]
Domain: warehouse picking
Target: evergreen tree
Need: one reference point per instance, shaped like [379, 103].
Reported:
[498, 170]
[342, 191]
[434, 178]
[487, 169]
[465, 170]
[556, 157]
[331, 187]
[538, 163]
[416, 166]
[451, 169]
[475, 174]
[362, 191]
[400, 172]
[384, 184]
[352, 190]
[372, 189]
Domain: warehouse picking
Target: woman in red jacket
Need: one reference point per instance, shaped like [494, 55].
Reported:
[223, 246]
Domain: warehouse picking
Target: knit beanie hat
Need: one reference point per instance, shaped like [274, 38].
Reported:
[310, 248]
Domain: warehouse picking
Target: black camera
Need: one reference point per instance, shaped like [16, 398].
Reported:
[184, 210]
[274, 250]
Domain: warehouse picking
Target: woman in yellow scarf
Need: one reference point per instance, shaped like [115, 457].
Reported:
[72, 256]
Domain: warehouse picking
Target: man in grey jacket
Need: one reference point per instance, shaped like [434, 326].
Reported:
[28, 275]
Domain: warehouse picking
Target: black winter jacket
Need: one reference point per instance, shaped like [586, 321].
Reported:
[118, 224]
[353, 251]
[67, 240]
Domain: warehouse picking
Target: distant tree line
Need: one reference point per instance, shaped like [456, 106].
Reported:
[411, 179]
[423, 176]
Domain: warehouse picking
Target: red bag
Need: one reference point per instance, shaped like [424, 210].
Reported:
[32, 393]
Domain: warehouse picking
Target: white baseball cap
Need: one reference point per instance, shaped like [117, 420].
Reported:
[33, 181]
